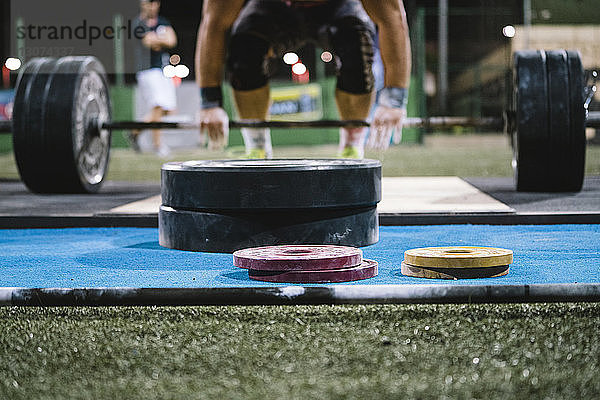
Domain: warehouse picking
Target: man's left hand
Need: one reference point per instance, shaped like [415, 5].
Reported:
[387, 121]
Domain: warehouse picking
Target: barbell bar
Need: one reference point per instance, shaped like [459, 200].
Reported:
[410, 122]
[62, 122]
[437, 122]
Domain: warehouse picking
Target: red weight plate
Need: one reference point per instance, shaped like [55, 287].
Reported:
[297, 257]
[367, 269]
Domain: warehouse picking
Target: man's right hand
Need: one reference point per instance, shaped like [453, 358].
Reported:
[151, 41]
[215, 122]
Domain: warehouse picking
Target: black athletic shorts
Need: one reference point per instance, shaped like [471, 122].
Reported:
[269, 28]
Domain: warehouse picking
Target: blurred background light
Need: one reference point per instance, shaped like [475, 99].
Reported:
[326, 56]
[182, 71]
[299, 68]
[169, 71]
[290, 58]
[12, 63]
[509, 31]
[175, 59]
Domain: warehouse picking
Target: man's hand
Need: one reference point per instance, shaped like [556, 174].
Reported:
[215, 122]
[151, 41]
[386, 121]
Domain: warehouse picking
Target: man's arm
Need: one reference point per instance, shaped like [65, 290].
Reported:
[163, 38]
[167, 37]
[217, 17]
[394, 43]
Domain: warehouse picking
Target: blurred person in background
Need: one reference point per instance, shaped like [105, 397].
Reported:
[157, 91]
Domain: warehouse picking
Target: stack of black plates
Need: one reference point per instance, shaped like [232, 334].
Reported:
[227, 205]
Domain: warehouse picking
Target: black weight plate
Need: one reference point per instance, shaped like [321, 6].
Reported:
[271, 184]
[531, 120]
[549, 147]
[226, 232]
[575, 167]
[559, 120]
[66, 99]
[86, 148]
[29, 139]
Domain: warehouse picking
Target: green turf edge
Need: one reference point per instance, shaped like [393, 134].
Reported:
[518, 351]
[463, 155]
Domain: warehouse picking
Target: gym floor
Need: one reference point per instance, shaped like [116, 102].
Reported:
[525, 350]
[21, 209]
[132, 257]
[436, 210]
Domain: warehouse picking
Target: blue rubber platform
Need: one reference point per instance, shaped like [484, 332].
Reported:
[132, 257]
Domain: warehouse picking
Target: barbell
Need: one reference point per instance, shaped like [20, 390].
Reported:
[495, 123]
[62, 122]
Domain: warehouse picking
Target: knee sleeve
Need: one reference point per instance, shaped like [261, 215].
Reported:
[353, 43]
[246, 61]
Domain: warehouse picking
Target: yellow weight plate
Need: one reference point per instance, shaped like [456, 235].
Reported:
[454, 273]
[458, 257]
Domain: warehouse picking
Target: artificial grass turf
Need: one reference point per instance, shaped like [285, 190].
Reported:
[269, 352]
[463, 155]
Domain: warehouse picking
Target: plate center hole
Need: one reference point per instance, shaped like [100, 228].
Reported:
[298, 251]
[458, 251]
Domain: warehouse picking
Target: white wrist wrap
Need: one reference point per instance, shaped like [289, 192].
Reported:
[393, 97]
